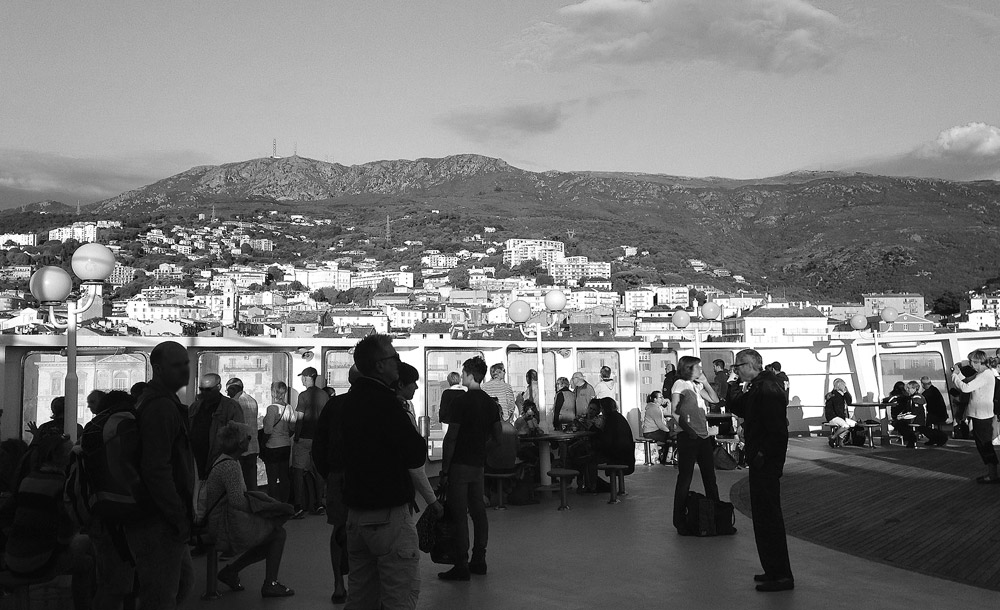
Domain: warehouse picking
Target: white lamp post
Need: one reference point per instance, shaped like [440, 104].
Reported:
[519, 312]
[681, 319]
[858, 323]
[92, 263]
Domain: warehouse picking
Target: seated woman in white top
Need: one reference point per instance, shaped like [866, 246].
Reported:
[654, 426]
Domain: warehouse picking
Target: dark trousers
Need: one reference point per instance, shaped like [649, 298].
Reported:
[691, 451]
[465, 497]
[982, 431]
[934, 435]
[279, 479]
[905, 431]
[248, 464]
[768, 521]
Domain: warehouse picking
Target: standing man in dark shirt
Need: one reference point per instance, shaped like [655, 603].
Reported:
[328, 458]
[380, 447]
[475, 420]
[209, 412]
[305, 480]
[937, 414]
[166, 470]
[762, 404]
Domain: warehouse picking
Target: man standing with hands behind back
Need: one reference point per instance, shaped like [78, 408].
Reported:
[762, 403]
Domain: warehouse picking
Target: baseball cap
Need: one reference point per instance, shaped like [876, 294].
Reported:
[310, 371]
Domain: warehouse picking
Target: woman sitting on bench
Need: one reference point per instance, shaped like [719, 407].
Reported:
[835, 412]
[655, 426]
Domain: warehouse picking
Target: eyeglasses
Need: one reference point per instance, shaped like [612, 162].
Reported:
[392, 357]
[739, 364]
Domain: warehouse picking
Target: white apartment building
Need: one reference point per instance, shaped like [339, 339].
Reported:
[517, 251]
[121, 275]
[329, 277]
[571, 269]
[439, 261]
[371, 279]
[83, 232]
[403, 317]
[903, 303]
[638, 300]
[585, 299]
[242, 279]
[262, 245]
[770, 325]
[20, 239]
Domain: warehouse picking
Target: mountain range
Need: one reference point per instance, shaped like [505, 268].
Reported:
[828, 234]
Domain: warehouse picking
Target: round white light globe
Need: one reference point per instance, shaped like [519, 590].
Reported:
[555, 300]
[889, 314]
[519, 312]
[858, 321]
[50, 285]
[711, 310]
[93, 262]
[680, 319]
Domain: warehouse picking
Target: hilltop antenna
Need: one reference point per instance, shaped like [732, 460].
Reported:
[295, 149]
[571, 233]
[213, 212]
[274, 148]
[77, 207]
[388, 230]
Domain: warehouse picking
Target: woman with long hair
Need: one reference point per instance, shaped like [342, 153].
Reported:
[278, 442]
[835, 412]
[690, 396]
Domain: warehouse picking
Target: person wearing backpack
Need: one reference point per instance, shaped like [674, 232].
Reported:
[109, 448]
[167, 475]
[982, 386]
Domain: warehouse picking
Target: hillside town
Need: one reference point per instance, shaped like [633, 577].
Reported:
[347, 292]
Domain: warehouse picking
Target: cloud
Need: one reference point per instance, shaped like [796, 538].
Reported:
[88, 179]
[964, 152]
[781, 36]
[512, 123]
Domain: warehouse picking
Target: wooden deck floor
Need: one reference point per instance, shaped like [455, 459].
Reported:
[917, 510]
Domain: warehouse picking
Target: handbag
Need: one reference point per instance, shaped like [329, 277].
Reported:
[262, 443]
[265, 506]
[723, 459]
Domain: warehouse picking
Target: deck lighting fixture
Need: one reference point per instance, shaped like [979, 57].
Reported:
[51, 286]
[519, 312]
[859, 322]
[681, 319]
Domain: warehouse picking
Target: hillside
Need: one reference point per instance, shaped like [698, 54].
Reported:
[818, 234]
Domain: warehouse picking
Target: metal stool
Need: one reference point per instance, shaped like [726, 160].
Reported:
[499, 478]
[564, 475]
[647, 445]
[616, 474]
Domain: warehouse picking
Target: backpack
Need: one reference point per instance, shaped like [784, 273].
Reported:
[996, 396]
[858, 435]
[103, 478]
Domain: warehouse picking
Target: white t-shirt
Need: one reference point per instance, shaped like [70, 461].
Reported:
[689, 384]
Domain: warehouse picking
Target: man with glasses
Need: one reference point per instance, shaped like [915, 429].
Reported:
[762, 403]
[380, 446]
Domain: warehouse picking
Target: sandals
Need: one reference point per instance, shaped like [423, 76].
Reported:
[230, 579]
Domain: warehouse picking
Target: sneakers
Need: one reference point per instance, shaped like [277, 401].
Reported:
[230, 578]
[275, 589]
[456, 573]
[299, 514]
[778, 584]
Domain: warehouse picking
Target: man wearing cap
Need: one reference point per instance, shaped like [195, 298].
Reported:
[248, 461]
[209, 412]
[305, 479]
[500, 390]
[380, 446]
[583, 391]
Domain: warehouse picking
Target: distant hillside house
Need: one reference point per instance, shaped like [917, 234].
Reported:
[770, 325]
[517, 251]
[301, 324]
[911, 303]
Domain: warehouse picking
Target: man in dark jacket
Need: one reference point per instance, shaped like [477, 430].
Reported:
[209, 412]
[613, 443]
[937, 414]
[762, 404]
[159, 542]
[380, 446]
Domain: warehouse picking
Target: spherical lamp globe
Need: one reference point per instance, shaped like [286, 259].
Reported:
[681, 319]
[93, 262]
[50, 285]
[519, 312]
[555, 300]
[858, 321]
[711, 310]
[889, 314]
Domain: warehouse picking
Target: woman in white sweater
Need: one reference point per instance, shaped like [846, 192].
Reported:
[980, 410]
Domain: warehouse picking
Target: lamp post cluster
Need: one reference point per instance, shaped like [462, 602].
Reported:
[859, 322]
[51, 286]
[519, 312]
[681, 319]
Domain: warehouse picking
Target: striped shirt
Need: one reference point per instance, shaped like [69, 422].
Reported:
[501, 390]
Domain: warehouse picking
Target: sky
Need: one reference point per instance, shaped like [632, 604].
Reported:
[102, 96]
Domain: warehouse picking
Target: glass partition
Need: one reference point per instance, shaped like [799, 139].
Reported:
[338, 363]
[257, 370]
[45, 379]
[435, 381]
[913, 366]
[590, 361]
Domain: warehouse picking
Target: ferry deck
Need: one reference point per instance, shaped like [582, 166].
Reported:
[868, 528]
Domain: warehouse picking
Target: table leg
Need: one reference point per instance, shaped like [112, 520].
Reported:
[544, 463]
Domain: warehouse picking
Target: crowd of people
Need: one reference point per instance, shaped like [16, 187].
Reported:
[358, 458]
